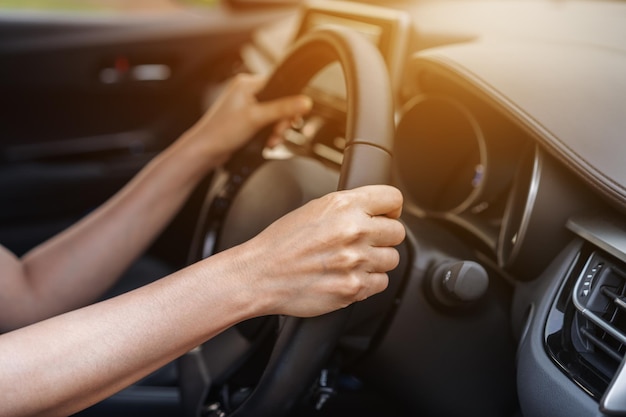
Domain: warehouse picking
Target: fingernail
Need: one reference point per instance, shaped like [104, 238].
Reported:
[297, 123]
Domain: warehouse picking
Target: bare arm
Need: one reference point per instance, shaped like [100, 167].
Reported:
[327, 254]
[77, 266]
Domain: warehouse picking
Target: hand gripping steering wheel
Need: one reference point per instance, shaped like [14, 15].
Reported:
[304, 345]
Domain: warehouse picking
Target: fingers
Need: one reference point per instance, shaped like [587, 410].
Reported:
[380, 200]
[371, 213]
[385, 232]
[282, 109]
[378, 282]
[331, 252]
[360, 287]
[365, 241]
[278, 133]
[382, 259]
[369, 279]
[249, 82]
[264, 113]
[379, 232]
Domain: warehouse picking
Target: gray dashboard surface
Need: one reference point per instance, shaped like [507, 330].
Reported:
[568, 96]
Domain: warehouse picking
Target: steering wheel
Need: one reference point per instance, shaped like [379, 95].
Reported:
[303, 345]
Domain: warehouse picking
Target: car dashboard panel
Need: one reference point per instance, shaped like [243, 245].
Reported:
[574, 335]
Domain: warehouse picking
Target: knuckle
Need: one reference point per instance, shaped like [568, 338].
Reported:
[343, 201]
[349, 259]
[353, 286]
[339, 201]
[351, 231]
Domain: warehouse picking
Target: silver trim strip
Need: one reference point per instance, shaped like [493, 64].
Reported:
[614, 400]
[602, 232]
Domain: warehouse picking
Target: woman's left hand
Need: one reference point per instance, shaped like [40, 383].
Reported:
[237, 115]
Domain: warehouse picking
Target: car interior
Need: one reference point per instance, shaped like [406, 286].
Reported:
[501, 121]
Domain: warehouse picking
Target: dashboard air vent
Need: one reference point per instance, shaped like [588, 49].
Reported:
[599, 332]
[586, 329]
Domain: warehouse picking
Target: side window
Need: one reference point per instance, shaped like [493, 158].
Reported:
[103, 5]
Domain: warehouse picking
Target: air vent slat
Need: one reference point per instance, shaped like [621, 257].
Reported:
[600, 344]
[617, 299]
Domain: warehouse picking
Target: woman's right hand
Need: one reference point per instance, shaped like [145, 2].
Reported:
[327, 254]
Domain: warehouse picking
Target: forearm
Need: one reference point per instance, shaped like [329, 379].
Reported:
[78, 265]
[326, 255]
[78, 358]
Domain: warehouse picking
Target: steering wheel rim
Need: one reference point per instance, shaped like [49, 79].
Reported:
[303, 345]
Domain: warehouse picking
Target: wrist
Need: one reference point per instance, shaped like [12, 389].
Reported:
[209, 141]
[192, 157]
[232, 277]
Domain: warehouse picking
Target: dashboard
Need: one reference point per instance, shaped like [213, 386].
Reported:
[509, 151]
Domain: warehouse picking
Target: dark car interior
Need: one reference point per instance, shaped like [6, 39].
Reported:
[500, 121]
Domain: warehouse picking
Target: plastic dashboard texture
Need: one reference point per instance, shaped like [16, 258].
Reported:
[569, 97]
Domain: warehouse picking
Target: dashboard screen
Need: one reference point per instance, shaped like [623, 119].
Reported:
[317, 19]
[387, 29]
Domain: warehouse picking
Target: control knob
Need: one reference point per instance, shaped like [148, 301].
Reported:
[458, 283]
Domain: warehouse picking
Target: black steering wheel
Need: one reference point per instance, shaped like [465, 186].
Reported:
[304, 345]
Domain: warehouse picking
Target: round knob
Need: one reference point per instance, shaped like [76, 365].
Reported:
[457, 283]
